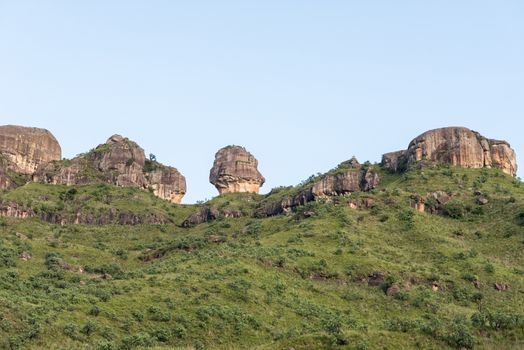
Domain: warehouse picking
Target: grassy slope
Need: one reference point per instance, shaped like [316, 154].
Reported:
[273, 283]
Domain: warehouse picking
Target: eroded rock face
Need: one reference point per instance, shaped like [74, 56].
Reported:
[456, 146]
[27, 148]
[5, 180]
[167, 183]
[393, 160]
[120, 162]
[349, 177]
[352, 178]
[235, 170]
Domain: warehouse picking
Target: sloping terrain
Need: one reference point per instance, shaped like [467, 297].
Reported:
[363, 270]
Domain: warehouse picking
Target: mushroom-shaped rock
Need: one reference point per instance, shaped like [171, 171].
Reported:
[235, 170]
[456, 146]
[26, 148]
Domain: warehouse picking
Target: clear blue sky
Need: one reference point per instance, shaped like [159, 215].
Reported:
[303, 85]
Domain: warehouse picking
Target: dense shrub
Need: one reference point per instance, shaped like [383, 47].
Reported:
[455, 209]
[497, 320]
[407, 217]
[459, 335]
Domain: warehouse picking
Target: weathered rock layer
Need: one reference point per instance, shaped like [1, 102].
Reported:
[349, 177]
[106, 217]
[456, 146]
[235, 170]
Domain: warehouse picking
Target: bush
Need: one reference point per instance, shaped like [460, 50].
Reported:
[89, 328]
[137, 340]
[70, 330]
[407, 217]
[7, 257]
[497, 321]
[388, 282]
[459, 335]
[489, 268]
[399, 325]
[155, 314]
[520, 218]
[110, 269]
[94, 311]
[68, 195]
[455, 209]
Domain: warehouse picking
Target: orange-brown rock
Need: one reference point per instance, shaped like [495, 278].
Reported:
[120, 162]
[457, 146]
[26, 148]
[235, 170]
[167, 183]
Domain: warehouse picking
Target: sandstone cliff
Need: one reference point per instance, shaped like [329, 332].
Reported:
[235, 170]
[24, 149]
[120, 162]
[456, 146]
[347, 178]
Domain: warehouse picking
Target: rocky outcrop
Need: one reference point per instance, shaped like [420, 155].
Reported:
[167, 183]
[208, 214]
[119, 162]
[394, 161]
[432, 203]
[203, 215]
[6, 180]
[25, 149]
[456, 146]
[349, 177]
[14, 210]
[235, 170]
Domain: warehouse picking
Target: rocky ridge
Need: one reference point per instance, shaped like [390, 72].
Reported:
[348, 177]
[119, 162]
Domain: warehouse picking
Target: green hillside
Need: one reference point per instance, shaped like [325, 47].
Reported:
[322, 276]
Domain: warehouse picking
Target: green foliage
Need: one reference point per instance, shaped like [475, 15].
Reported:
[300, 280]
[68, 195]
[407, 217]
[455, 209]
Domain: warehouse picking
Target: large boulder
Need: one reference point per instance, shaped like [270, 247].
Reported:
[119, 162]
[25, 149]
[456, 146]
[235, 170]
